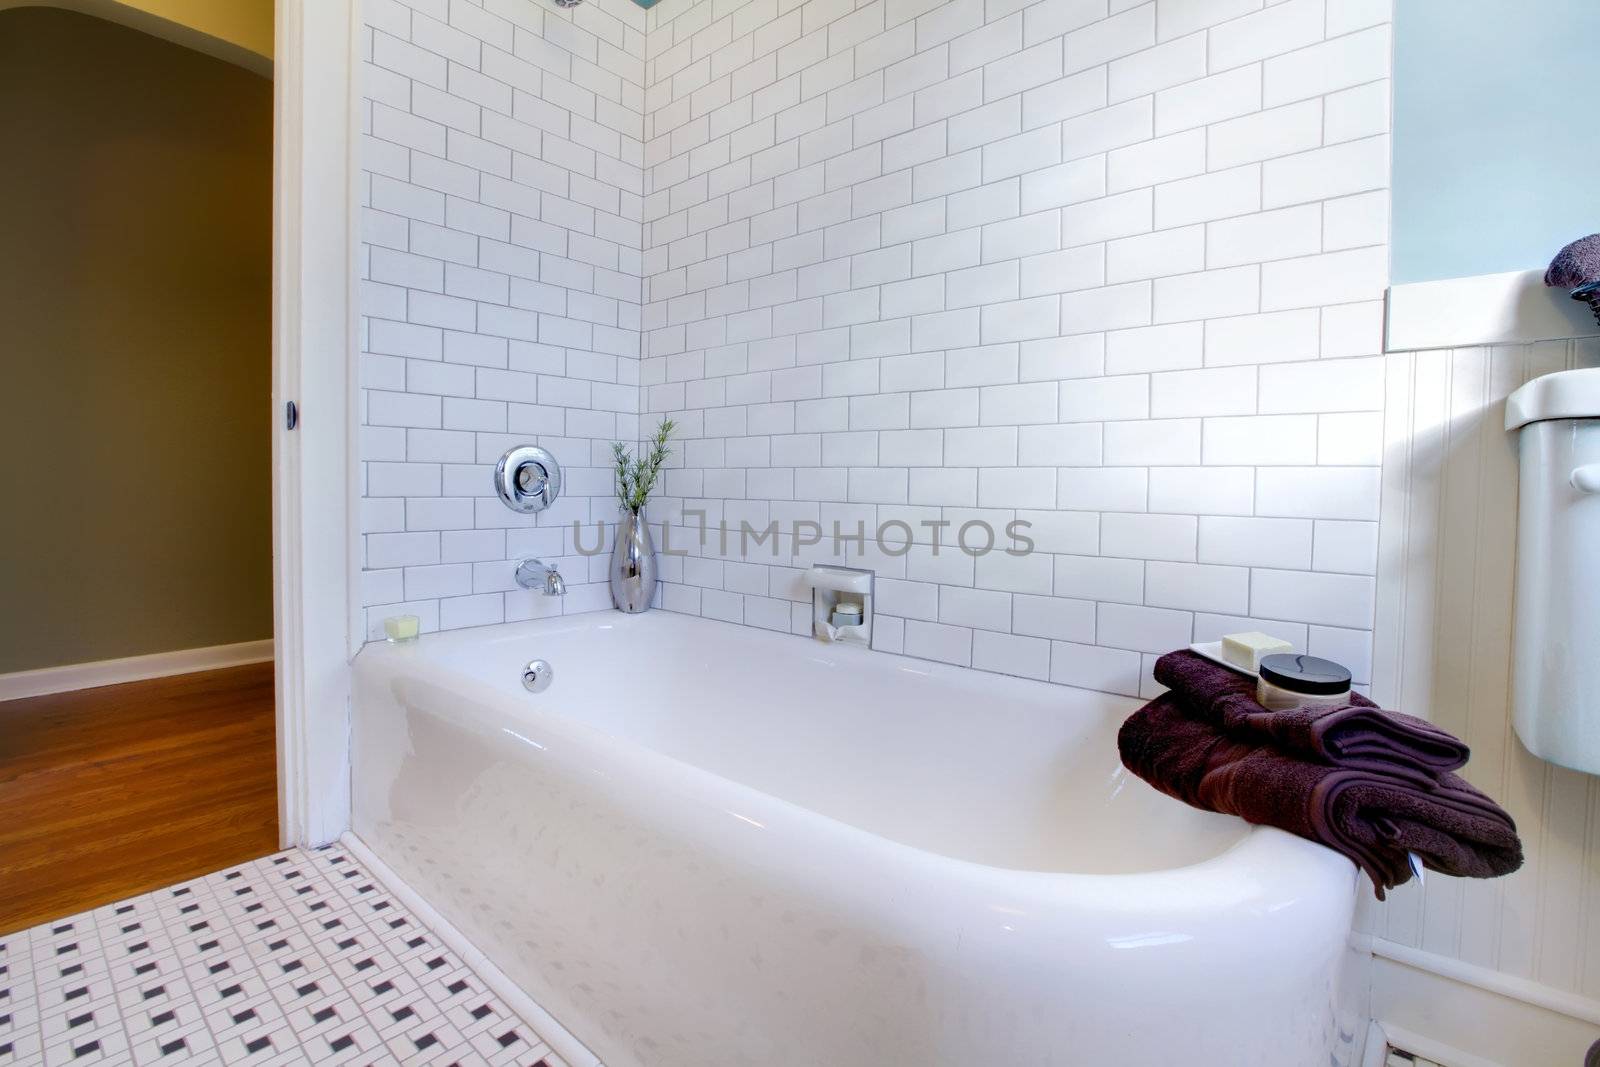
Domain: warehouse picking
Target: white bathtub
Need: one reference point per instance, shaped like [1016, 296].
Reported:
[709, 845]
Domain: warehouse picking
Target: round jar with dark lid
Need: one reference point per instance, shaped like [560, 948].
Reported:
[1288, 681]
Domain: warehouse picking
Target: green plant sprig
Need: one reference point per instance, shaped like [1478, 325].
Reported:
[637, 477]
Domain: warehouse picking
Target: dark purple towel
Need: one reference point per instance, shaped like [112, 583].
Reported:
[1375, 818]
[1359, 735]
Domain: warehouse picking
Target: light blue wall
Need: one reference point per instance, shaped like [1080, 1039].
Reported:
[1496, 139]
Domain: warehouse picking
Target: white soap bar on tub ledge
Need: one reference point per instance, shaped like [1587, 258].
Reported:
[1245, 650]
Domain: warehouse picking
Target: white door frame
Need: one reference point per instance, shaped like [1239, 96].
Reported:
[315, 467]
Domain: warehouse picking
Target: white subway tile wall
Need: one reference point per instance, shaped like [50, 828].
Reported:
[1111, 268]
[502, 186]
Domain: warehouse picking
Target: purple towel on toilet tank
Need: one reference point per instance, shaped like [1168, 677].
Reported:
[1359, 735]
[1373, 817]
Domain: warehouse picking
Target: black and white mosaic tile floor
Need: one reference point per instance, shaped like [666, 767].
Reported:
[300, 957]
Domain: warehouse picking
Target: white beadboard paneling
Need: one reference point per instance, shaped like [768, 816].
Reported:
[1442, 649]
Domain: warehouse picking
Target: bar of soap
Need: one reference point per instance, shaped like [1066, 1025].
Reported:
[399, 628]
[1245, 650]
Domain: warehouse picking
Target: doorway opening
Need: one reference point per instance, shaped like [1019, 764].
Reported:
[137, 737]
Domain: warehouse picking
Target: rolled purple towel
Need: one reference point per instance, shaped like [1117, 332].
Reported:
[1359, 735]
[1576, 264]
[1374, 817]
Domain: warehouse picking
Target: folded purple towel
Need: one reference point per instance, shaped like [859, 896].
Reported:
[1373, 817]
[1359, 735]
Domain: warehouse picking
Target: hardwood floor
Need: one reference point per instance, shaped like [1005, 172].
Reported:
[109, 792]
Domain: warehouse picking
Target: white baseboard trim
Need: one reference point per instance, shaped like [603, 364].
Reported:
[73, 676]
[558, 1037]
[1490, 309]
[1437, 1007]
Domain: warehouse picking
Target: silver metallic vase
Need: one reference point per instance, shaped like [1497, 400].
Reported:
[633, 565]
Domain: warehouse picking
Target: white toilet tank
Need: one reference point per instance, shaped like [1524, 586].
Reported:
[1556, 651]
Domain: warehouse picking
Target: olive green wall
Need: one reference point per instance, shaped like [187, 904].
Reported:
[135, 353]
